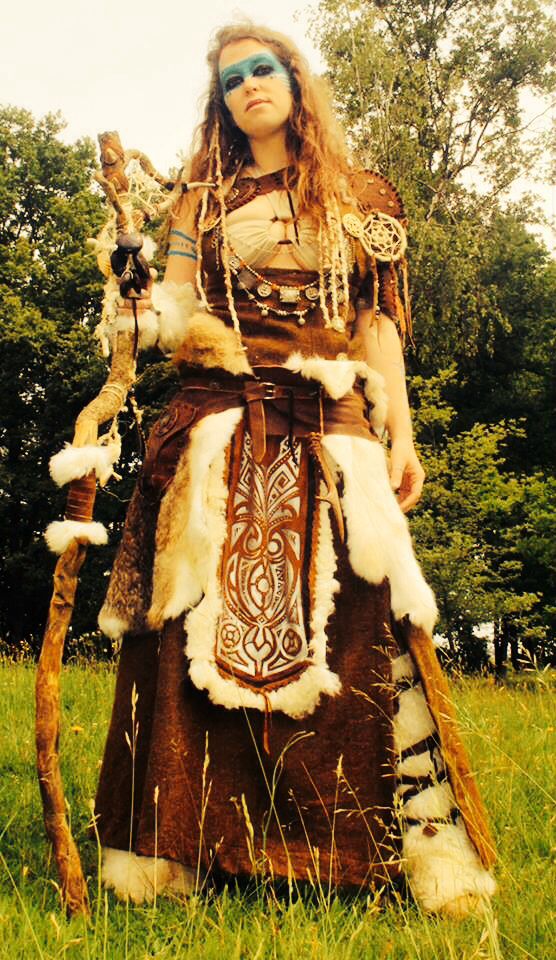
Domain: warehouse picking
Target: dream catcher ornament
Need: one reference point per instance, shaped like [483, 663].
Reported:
[380, 235]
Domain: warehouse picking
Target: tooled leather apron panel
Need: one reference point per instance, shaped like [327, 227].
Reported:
[261, 636]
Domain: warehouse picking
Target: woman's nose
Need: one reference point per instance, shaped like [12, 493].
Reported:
[251, 83]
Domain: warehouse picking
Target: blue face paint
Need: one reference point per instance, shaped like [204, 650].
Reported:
[263, 64]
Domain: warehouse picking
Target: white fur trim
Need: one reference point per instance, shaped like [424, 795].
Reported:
[298, 698]
[72, 463]
[165, 323]
[181, 572]
[416, 765]
[149, 247]
[325, 587]
[378, 537]
[413, 721]
[147, 327]
[443, 867]
[112, 626]
[403, 667]
[60, 533]
[137, 878]
[433, 802]
[338, 377]
[175, 303]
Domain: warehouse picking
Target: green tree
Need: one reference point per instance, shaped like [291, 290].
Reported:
[49, 289]
[474, 530]
[432, 93]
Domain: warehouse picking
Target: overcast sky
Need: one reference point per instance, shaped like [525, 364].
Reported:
[137, 67]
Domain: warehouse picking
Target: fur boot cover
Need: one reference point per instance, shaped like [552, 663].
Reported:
[72, 463]
[442, 865]
[338, 378]
[140, 879]
[60, 533]
[378, 538]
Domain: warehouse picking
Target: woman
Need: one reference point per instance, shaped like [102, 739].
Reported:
[265, 539]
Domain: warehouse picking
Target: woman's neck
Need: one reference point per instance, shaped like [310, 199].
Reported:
[269, 154]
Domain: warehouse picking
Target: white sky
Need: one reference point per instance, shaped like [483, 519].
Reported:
[137, 67]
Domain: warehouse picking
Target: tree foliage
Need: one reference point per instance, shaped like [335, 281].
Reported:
[48, 289]
[433, 94]
[480, 528]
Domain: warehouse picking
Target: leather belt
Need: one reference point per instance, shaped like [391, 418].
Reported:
[264, 401]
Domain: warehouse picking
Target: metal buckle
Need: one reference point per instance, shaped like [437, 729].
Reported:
[269, 391]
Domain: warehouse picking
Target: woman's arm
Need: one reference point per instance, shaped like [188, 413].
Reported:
[180, 269]
[181, 265]
[384, 354]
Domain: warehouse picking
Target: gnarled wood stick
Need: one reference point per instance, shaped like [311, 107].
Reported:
[104, 407]
[81, 496]
[47, 700]
[80, 504]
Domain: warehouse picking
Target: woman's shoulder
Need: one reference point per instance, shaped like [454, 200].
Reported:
[373, 191]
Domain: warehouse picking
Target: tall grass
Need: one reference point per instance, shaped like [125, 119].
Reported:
[510, 733]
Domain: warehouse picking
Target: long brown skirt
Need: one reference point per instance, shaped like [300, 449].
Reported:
[317, 805]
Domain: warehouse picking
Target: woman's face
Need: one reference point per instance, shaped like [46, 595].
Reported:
[256, 88]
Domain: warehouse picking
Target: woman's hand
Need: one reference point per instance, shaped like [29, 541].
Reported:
[406, 473]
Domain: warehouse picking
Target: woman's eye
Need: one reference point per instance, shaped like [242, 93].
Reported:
[232, 82]
[263, 70]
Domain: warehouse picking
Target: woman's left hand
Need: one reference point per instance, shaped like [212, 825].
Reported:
[406, 473]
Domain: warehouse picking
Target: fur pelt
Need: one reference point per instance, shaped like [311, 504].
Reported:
[147, 327]
[71, 463]
[209, 343]
[378, 537]
[129, 592]
[413, 721]
[441, 862]
[60, 533]
[174, 303]
[298, 698]
[442, 867]
[139, 878]
[111, 625]
[185, 533]
[338, 377]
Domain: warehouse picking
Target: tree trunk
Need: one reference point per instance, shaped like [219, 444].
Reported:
[500, 651]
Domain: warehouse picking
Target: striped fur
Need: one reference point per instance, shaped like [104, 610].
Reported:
[442, 866]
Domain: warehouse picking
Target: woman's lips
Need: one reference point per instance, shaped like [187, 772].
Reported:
[255, 103]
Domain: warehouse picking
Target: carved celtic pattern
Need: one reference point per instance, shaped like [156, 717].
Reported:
[260, 636]
[380, 235]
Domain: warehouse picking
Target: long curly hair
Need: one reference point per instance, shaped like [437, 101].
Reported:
[314, 138]
[318, 168]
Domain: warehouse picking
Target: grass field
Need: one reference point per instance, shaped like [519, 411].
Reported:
[510, 733]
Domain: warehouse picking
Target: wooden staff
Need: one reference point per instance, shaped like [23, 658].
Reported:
[79, 507]
[81, 500]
